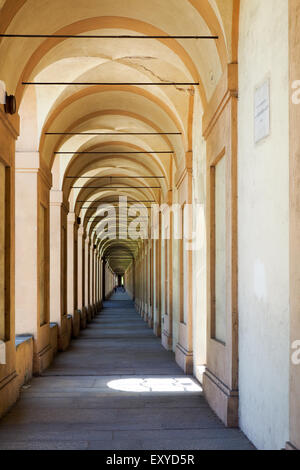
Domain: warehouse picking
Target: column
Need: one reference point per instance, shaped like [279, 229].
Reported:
[58, 267]
[80, 276]
[220, 380]
[87, 278]
[184, 347]
[79, 267]
[9, 129]
[70, 263]
[167, 278]
[157, 280]
[294, 39]
[33, 181]
[151, 284]
[72, 273]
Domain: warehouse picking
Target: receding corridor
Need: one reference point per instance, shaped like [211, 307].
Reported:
[150, 224]
[115, 388]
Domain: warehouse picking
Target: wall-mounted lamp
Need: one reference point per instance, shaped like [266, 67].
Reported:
[10, 105]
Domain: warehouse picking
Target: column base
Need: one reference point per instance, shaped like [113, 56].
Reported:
[89, 314]
[167, 340]
[42, 360]
[150, 322]
[83, 320]
[98, 308]
[24, 360]
[76, 324]
[64, 334]
[184, 359]
[9, 392]
[290, 446]
[93, 311]
[157, 329]
[54, 338]
[221, 399]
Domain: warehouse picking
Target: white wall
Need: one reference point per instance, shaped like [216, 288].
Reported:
[199, 254]
[263, 227]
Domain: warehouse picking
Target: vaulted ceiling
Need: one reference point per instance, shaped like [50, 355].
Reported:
[117, 107]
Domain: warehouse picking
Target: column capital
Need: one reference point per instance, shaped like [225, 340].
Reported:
[57, 198]
[31, 162]
[185, 170]
[71, 218]
[10, 122]
[27, 160]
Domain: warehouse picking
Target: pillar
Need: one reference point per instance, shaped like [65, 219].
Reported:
[58, 266]
[80, 276]
[157, 281]
[91, 280]
[167, 282]
[72, 273]
[79, 268]
[33, 181]
[294, 59]
[70, 263]
[103, 279]
[184, 347]
[86, 278]
[150, 283]
[220, 380]
[9, 129]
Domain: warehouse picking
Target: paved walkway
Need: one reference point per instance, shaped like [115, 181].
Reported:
[116, 388]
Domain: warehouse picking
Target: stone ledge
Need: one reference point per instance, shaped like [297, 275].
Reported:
[22, 339]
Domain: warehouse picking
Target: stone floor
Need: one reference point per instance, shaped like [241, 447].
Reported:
[116, 388]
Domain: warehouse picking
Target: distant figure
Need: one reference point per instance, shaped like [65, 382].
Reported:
[123, 288]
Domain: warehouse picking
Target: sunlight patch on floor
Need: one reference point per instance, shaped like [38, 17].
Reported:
[140, 385]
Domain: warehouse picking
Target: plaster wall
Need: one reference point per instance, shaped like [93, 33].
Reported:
[263, 228]
[199, 253]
